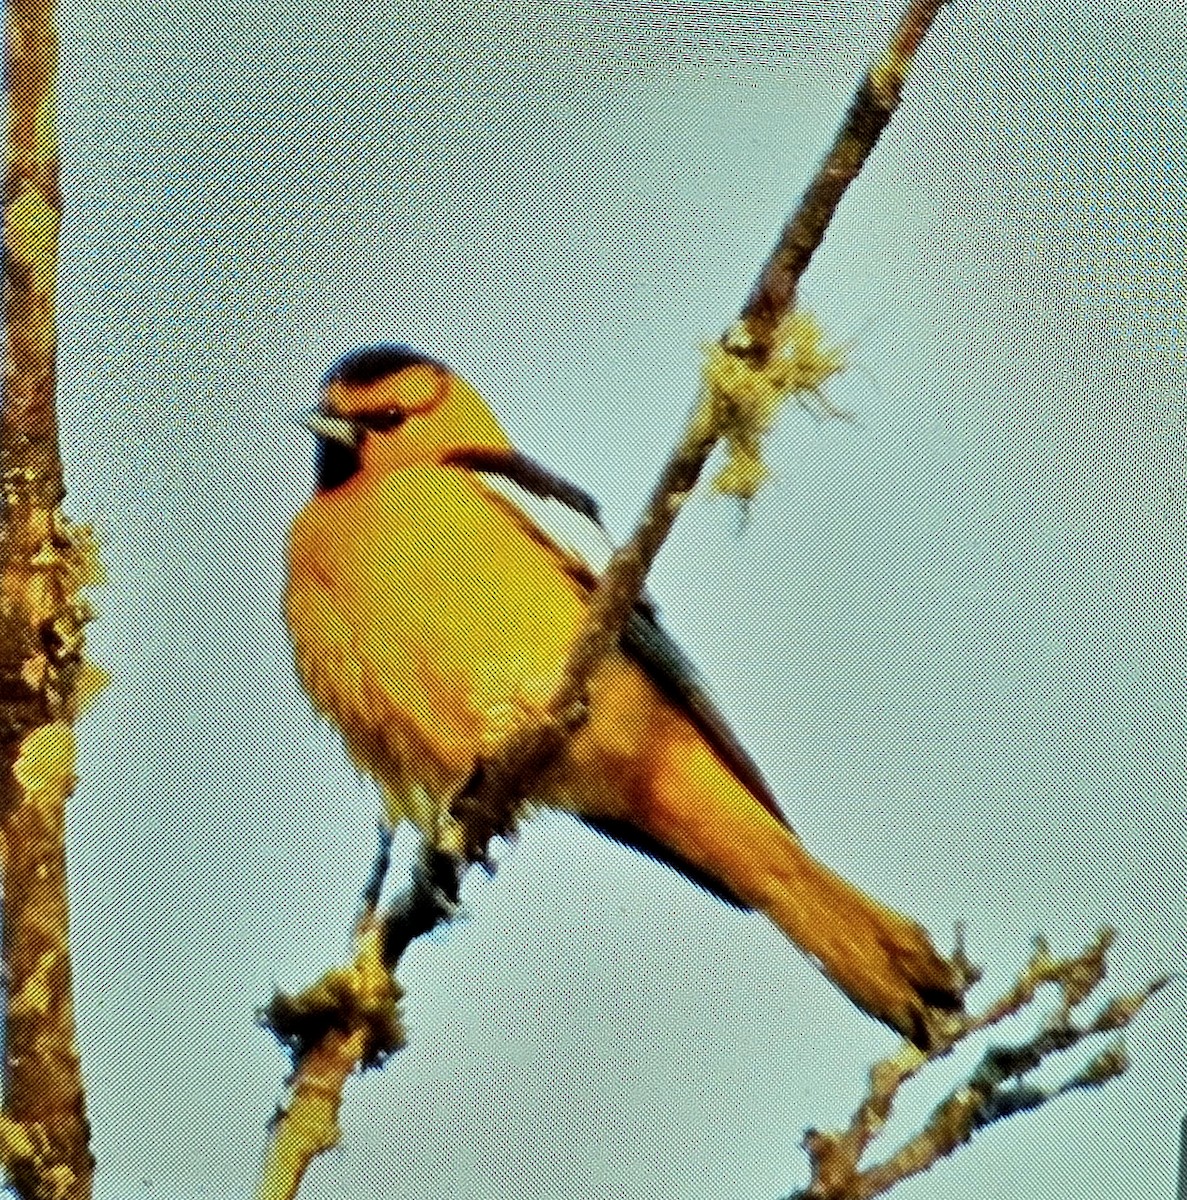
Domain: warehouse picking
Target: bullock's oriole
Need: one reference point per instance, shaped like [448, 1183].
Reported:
[436, 580]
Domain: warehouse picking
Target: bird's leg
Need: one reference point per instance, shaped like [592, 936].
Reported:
[430, 901]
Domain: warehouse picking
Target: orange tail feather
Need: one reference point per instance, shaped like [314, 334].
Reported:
[883, 961]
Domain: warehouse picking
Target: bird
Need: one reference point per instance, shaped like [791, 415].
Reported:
[436, 579]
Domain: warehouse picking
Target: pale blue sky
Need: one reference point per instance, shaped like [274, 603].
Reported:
[951, 631]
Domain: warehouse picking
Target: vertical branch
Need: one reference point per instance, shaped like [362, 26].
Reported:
[43, 563]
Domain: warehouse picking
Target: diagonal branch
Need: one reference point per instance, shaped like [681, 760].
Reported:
[869, 114]
[488, 804]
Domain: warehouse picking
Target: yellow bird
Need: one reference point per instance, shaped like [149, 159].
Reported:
[437, 579]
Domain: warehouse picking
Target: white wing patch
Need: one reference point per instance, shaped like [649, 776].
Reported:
[573, 533]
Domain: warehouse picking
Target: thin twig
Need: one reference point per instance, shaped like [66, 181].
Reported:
[870, 112]
[994, 1091]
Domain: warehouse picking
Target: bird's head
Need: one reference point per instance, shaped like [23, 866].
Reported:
[386, 407]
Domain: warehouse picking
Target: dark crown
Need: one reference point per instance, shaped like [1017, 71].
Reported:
[361, 368]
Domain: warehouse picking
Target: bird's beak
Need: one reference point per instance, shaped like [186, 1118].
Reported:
[331, 429]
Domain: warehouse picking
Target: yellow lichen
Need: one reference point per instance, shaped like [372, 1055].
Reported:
[38, 990]
[44, 767]
[88, 683]
[85, 546]
[744, 399]
[31, 235]
[888, 74]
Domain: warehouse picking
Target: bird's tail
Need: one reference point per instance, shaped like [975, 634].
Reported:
[883, 961]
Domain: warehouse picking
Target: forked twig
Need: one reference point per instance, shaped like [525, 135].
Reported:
[995, 1089]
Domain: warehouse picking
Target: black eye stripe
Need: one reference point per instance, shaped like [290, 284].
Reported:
[336, 464]
[381, 422]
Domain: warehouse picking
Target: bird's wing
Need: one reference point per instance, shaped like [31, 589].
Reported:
[567, 519]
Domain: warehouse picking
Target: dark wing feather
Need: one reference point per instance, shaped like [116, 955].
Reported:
[671, 670]
[634, 837]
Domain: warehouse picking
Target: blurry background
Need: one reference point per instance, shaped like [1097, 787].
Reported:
[951, 631]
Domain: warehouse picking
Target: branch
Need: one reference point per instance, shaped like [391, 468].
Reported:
[745, 381]
[869, 114]
[748, 376]
[44, 679]
[350, 1017]
[994, 1091]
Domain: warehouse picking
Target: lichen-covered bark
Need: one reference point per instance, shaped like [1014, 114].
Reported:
[43, 676]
